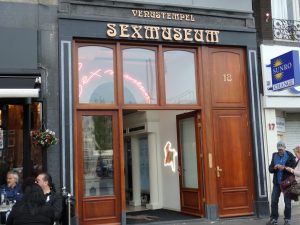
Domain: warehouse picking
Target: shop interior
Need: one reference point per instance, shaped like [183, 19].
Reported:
[151, 159]
[12, 140]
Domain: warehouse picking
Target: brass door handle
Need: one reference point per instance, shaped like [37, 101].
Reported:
[179, 171]
[218, 171]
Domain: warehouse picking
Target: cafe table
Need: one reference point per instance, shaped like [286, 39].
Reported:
[4, 208]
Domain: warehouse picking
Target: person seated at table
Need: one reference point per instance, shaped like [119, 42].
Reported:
[32, 209]
[12, 189]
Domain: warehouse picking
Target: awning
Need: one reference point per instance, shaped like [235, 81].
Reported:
[19, 86]
[19, 93]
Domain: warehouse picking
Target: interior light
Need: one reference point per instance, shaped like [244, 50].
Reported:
[170, 155]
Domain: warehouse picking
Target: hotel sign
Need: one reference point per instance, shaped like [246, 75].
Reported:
[285, 71]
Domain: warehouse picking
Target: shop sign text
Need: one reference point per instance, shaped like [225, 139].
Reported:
[163, 15]
[285, 71]
[145, 32]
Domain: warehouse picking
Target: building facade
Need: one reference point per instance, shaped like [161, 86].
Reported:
[278, 34]
[158, 105]
[28, 85]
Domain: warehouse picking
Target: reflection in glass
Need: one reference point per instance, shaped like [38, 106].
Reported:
[180, 77]
[98, 155]
[11, 140]
[139, 76]
[189, 153]
[96, 75]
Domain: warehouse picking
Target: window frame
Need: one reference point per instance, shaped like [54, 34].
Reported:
[159, 49]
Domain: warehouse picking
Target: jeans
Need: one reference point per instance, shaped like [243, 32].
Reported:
[274, 203]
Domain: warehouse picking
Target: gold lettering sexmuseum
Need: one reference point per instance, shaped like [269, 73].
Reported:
[165, 33]
[162, 15]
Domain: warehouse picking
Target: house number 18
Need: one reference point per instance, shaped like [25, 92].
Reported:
[227, 77]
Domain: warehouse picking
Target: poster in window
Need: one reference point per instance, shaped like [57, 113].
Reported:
[1, 139]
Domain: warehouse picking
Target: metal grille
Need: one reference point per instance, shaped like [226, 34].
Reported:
[286, 29]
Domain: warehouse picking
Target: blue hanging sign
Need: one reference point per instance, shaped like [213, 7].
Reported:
[285, 71]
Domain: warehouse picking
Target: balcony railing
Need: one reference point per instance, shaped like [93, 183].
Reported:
[286, 30]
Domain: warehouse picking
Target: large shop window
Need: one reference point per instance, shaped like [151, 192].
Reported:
[179, 68]
[96, 75]
[139, 76]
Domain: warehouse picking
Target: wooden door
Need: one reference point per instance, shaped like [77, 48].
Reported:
[97, 166]
[190, 165]
[233, 162]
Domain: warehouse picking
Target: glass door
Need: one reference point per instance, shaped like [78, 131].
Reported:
[188, 128]
[98, 168]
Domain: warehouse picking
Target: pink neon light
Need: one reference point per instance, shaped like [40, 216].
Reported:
[86, 79]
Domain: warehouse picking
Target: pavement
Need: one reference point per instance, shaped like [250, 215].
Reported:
[234, 221]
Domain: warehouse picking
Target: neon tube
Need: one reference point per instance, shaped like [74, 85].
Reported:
[86, 79]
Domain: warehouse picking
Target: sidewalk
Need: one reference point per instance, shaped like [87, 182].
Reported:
[235, 221]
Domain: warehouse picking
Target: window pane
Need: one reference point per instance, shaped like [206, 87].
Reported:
[189, 153]
[139, 76]
[98, 155]
[180, 77]
[96, 75]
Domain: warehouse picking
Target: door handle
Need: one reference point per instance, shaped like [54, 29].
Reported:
[218, 171]
[179, 171]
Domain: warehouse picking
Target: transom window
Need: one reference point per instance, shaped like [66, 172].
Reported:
[136, 75]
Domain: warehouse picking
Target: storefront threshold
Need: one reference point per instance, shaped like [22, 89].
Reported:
[159, 216]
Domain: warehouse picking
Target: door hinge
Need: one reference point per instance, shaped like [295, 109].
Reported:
[201, 155]
[203, 199]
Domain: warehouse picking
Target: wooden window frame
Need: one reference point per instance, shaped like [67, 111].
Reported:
[159, 49]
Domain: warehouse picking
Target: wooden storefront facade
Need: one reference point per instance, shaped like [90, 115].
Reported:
[205, 71]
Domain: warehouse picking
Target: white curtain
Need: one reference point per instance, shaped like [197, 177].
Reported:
[285, 9]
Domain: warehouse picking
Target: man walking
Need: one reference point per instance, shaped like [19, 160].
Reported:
[280, 160]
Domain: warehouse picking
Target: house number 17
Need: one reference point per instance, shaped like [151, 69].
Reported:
[227, 77]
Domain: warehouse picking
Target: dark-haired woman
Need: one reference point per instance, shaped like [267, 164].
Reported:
[52, 198]
[32, 209]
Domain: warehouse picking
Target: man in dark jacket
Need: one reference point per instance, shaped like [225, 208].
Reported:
[52, 198]
[280, 160]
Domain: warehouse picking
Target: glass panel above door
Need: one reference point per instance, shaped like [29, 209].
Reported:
[96, 75]
[139, 76]
[180, 73]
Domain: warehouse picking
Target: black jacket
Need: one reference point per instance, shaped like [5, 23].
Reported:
[20, 215]
[55, 201]
[290, 162]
